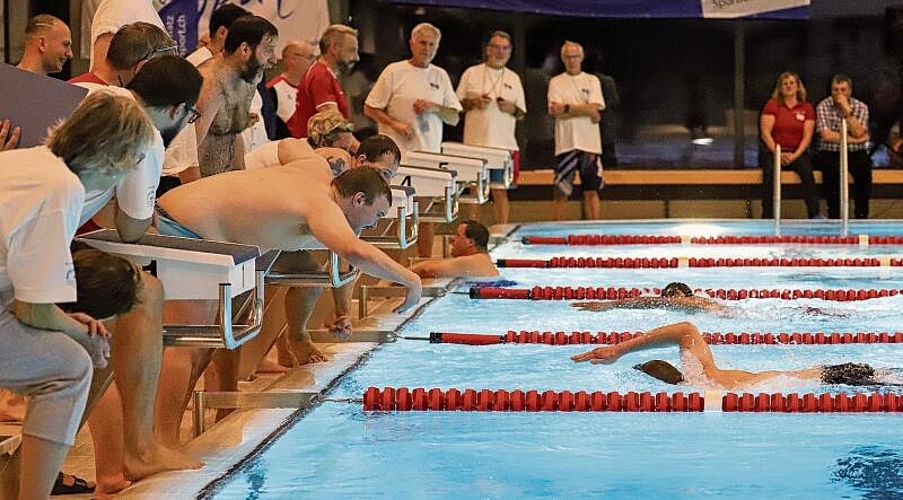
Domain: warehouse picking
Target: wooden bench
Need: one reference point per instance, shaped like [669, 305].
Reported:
[671, 186]
[711, 177]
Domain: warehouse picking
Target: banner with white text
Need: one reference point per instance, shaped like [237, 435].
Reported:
[728, 9]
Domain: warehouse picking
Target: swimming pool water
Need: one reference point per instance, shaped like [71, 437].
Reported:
[337, 450]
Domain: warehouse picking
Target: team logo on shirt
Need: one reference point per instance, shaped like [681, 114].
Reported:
[434, 86]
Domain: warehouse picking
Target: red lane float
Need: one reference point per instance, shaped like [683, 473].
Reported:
[611, 293]
[421, 399]
[674, 262]
[632, 239]
[712, 338]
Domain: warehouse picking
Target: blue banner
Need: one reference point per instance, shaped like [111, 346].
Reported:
[181, 20]
[628, 9]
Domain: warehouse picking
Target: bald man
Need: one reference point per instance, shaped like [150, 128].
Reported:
[297, 57]
[48, 45]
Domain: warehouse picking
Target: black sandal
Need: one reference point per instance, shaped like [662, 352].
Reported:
[78, 485]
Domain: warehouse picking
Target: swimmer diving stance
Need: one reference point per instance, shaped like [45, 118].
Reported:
[699, 369]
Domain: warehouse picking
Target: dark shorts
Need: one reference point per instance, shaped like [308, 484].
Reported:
[568, 164]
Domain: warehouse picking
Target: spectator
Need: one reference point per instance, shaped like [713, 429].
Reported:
[493, 100]
[411, 100]
[297, 57]
[787, 119]
[575, 100]
[831, 111]
[320, 87]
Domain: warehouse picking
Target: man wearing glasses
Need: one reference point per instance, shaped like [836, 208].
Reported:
[493, 101]
[167, 87]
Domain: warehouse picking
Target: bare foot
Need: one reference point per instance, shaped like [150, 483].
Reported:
[108, 486]
[305, 352]
[284, 352]
[158, 459]
[267, 366]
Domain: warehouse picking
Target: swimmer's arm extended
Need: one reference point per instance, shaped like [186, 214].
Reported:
[331, 228]
[668, 335]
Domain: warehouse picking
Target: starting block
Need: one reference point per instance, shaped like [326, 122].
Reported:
[500, 162]
[197, 269]
[473, 176]
[435, 186]
[404, 219]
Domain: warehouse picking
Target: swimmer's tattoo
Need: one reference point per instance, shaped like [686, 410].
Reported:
[337, 165]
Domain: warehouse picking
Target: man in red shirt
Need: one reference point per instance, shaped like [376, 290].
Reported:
[320, 87]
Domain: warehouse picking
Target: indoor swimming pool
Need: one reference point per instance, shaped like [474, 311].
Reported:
[337, 450]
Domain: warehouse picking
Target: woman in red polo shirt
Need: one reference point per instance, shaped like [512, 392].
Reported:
[789, 120]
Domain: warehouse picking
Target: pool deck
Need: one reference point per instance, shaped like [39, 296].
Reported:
[228, 442]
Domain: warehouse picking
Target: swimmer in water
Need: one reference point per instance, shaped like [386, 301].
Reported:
[675, 297]
[469, 255]
[679, 297]
[700, 370]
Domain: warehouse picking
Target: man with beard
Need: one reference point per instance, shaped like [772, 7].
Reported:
[320, 88]
[230, 80]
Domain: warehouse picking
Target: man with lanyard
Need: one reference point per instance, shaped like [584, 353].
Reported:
[493, 101]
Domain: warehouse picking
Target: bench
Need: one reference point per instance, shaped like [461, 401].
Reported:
[667, 187]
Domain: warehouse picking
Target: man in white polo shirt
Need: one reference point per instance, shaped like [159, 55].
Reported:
[493, 100]
[575, 100]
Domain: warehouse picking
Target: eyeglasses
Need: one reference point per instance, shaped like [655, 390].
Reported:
[170, 50]
[193, 113]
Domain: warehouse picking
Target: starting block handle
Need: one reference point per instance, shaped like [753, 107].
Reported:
[225, 334]
[334, 278]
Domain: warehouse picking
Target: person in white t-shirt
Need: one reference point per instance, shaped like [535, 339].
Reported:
[47, 354]
[410, 101]
[167, 87]
[493, 100]
[413, 98]
[114, 14]
[575, 100]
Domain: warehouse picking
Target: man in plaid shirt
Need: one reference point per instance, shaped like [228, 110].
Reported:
[841, 106]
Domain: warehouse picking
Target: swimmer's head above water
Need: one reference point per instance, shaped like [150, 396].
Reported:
[677, 289]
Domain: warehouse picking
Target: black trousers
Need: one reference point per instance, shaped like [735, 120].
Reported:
[803, 167]
[860, 169]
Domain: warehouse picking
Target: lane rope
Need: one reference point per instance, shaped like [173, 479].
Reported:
[684, 262]
[711, 338]
[862, 240]
[611, 293]
[502, 400]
